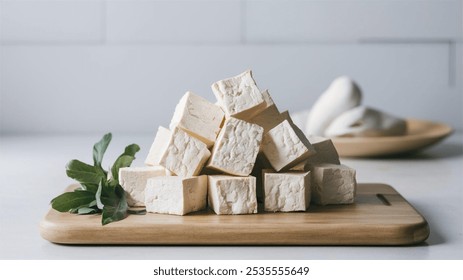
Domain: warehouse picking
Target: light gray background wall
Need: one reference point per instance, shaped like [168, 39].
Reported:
[96, 66]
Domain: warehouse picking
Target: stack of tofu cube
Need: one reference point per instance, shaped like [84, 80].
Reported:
[234, 153]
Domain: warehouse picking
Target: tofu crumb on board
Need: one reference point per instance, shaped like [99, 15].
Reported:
[234, 153]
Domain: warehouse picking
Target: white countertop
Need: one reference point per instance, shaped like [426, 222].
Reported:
[32, 173]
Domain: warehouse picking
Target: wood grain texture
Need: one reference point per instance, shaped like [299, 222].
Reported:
[380, 216]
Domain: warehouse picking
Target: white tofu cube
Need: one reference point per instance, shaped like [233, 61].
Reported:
[326, 153]
[260, 165]
[232, 195]
[268, 100]
[269, 103]
[271, 121]
[178, 152]
[133, 181]
[270, 116]
[198, 117]
[176, 195]
[333, 184]
[170, 173]
[239, 96]
[160, 143]
[286, 192]
[285, 146]
[301, 167]
[236, 148]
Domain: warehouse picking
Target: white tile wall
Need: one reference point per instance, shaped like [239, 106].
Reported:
[135, 88]
[308, 21]
[94, 66]
[174, 21]
[51, 21]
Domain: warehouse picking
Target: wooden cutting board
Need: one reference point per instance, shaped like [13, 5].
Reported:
[380, 216]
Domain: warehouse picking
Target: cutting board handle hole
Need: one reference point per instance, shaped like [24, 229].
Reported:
[383, 199]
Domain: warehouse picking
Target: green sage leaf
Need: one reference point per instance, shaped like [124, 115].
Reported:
[70, 200]
[124, 160]
[115, 206]
[137, 211]
[86, 211]
[83, 173]
[131, 150]
[99, 191]
[99, 204]
[99, 149]
[92, 204]
[89, 187]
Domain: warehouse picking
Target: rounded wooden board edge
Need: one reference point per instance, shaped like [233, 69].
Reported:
[418, 232]
[394, 234]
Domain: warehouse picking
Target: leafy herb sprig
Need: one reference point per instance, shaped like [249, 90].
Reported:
[100, 191]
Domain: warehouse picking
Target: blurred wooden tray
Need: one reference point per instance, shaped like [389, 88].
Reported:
[420, 134]
[380, 216]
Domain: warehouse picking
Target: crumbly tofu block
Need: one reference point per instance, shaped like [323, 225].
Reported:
[198, 117]
[333, 184]
[326, 153]
[285, 116]
[286, 192]
[239, 96]
[133, 181]
[169, 173]
[210, 171]
[230, 195]
[260, 165]
[179, 152]
[285, 146]
[271, 121]
[160, 143]
[236, 148]
[270, 116]
[176, 195]
[301, 167]
[267, 117]
[269, 103]
[268, 100]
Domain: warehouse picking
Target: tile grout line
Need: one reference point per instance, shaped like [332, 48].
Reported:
[370, 40]
[31, 43]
